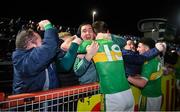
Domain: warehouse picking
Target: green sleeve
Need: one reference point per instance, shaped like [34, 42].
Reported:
[66, 63]
[83, 45]
[118, 40]
[81, 66]
[146, 70]
[48, 26]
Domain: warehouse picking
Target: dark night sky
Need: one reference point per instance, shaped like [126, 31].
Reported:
[121, 15]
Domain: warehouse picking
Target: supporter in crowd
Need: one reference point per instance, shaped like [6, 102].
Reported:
[64, 35]
[33, 60]
[65, 64]
[69, 47]
[177, 73]
[84, 67]
[130, 45]
[171, 67]
[149, 81]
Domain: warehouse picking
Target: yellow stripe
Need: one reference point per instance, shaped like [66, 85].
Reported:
[102, 57]
[114, 54]
[156, 75]
[146, 62]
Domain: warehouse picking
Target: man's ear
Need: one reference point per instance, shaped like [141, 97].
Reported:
[146, 48]
[94, 34]
[31, 45]
[34, 45]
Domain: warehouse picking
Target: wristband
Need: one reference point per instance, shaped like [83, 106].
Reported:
[48, 26]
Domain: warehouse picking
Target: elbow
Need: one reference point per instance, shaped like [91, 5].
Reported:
[143, 84]
[66, 69]
[62, 68]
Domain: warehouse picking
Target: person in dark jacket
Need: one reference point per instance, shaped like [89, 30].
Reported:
[65, 64]
[133, 60]
[33, 65]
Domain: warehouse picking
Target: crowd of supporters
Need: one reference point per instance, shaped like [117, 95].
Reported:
[63, 56]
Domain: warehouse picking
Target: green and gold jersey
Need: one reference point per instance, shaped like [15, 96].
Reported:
[152, 72]
[109, 65]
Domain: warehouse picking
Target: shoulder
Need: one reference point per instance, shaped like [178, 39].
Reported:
[153, 60]
[117, 36]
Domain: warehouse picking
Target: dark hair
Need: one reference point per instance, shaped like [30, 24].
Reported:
[80, 26]
[100, 27]
[23, 37]
[148, 41]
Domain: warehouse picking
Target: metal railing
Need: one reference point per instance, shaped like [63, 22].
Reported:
[62, 99]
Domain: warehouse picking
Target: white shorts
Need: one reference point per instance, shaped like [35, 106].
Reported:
[121, 101]
[150, 103]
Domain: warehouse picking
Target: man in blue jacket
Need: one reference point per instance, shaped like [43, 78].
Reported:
[33, 65]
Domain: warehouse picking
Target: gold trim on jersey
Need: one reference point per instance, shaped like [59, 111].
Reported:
[102, 56]
[156, 75]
